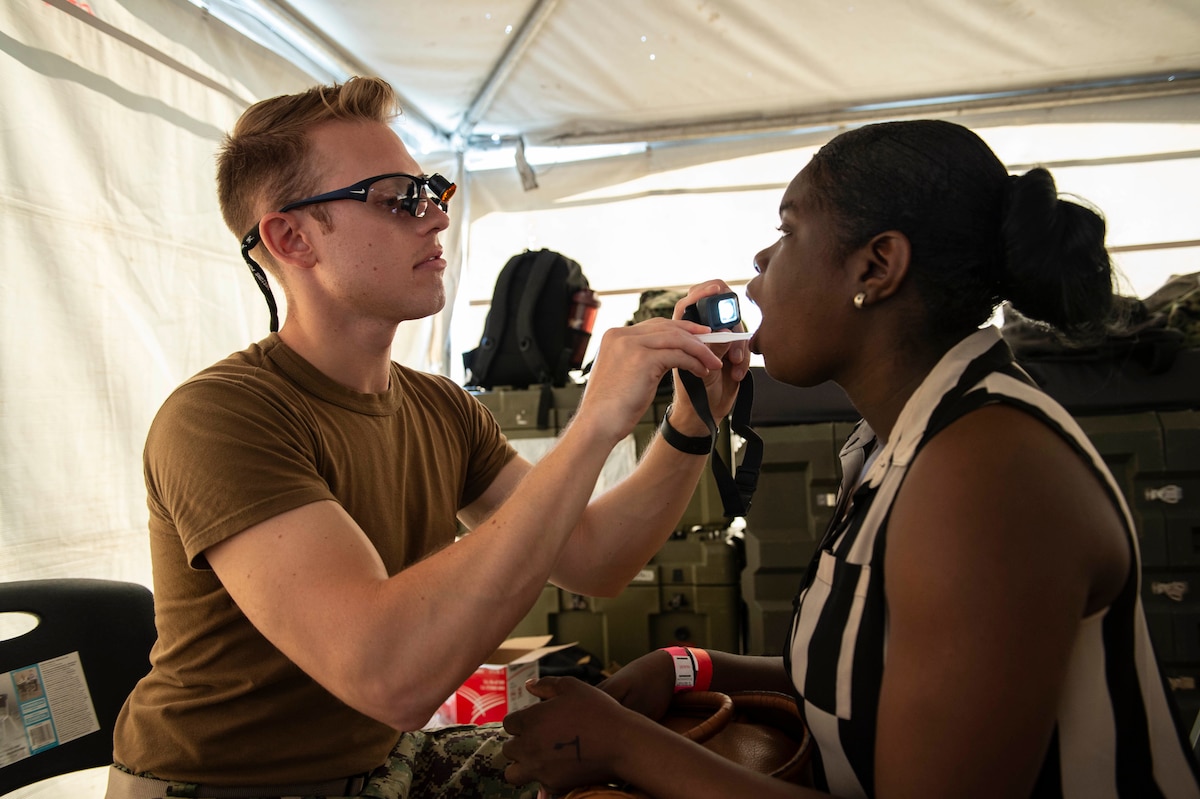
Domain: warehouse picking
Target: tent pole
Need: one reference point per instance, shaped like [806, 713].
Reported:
[516, 49]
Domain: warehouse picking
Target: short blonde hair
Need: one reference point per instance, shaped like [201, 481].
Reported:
[265, 162]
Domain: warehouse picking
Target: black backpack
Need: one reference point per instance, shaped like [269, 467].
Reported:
[527, 338]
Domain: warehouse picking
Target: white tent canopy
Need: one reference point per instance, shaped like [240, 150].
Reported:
[684, 87]
[627, 71]
[659, 136]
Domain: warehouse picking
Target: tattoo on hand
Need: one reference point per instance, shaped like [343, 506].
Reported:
[574, 743]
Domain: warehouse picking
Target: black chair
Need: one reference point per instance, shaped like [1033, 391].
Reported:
[1196, 738]
[110, 625]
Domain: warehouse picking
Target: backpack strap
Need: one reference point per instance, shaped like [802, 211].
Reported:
[545, 403]
[539, 272]
[479, 360]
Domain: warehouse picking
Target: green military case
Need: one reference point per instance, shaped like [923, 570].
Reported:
[687, 594]
[700, 599]
[797, 492]
[1155, 458]
[613, 629]
[704, 510]
[534, 412]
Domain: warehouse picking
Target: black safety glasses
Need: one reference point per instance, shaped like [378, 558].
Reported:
[392, 193]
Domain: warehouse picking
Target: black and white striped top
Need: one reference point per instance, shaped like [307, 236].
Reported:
[1115, 735]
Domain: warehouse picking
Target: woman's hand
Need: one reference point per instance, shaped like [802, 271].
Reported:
[645, 685]
[571, 738]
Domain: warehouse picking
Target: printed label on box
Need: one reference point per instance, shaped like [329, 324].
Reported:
[43, 706]
[494, 691]
[497, 688]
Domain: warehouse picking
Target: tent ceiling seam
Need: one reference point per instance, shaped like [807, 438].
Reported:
[298, 22]
[300, 25]
[1156, 245]
[1117, 160]
[1113, 160]
[1031, 98]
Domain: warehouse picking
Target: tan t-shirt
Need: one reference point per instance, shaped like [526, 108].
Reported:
[257, 434]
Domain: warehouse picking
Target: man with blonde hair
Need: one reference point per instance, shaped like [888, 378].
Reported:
[314, 607]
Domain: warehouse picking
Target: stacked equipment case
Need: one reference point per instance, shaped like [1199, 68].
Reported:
[687, 594]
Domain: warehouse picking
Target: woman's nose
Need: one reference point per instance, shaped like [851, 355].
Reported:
[760, 260]
[752, 288]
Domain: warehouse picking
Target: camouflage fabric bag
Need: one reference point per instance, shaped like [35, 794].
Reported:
[459, 762]
[1178, 301]
[656, 302]
[661, 303]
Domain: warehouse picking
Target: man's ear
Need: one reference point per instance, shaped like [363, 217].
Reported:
[286, 240]
[881, 265]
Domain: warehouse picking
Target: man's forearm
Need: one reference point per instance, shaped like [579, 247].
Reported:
[624, 527]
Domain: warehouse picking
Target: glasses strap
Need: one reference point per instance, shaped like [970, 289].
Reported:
[260, 277]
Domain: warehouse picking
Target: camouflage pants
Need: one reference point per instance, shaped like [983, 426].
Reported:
[448, 763]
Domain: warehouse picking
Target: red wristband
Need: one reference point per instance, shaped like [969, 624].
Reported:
[693, 668]
[704, 669]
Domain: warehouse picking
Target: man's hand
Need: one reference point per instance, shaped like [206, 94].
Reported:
[630, 365]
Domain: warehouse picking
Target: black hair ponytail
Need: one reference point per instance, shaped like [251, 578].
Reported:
[1055, 268]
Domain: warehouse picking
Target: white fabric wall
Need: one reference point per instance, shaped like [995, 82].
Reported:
[118, 277]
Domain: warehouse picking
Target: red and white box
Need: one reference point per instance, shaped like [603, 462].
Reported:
[498, 686]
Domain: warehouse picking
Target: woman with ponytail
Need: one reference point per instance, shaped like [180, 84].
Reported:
[970, 625]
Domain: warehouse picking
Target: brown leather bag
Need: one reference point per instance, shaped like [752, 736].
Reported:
[759, 730]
